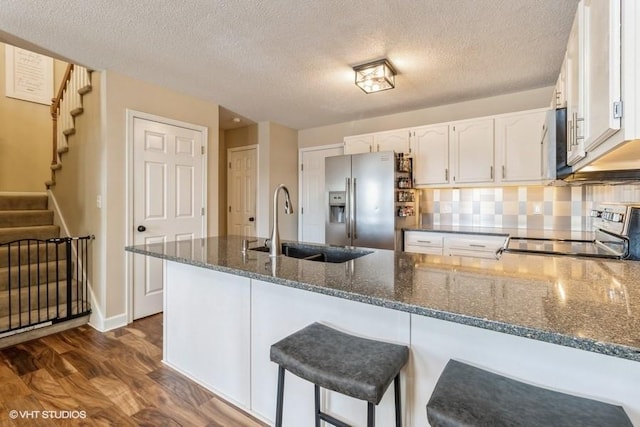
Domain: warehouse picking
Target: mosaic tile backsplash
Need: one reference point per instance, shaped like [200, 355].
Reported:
[533, 207]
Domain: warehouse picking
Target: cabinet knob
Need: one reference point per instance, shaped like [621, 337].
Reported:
[142, 228]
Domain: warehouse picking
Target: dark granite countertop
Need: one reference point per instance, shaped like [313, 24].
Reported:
[589, 304]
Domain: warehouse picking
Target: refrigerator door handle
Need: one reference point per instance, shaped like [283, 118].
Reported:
[347, 208]
[353, 208]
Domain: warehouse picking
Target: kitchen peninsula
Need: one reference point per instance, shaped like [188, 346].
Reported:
[569, 324]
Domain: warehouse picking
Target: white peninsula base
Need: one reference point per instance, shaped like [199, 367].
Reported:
[218, 329]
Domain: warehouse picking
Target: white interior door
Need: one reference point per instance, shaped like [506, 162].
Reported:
[168, 200]
[241, 191]
[312, 197]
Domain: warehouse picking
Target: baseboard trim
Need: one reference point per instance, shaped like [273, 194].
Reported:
[106, 324]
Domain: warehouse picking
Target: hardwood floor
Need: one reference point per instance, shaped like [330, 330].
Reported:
[84, 377]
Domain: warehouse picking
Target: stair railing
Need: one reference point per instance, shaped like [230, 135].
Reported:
[46, 283]
[65, 106]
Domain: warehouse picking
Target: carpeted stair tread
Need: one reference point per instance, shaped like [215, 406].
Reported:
[25, 218]
[36, 232]
[41, 296]
[23, 201]
[33, 274]
[43, 252]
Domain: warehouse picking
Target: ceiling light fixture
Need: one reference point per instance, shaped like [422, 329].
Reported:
[375, 76]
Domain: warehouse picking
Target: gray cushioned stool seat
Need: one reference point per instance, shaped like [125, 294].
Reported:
[354, 366]
[469, 396]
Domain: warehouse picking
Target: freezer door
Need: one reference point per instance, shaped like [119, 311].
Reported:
[372, 191]
[337, 173]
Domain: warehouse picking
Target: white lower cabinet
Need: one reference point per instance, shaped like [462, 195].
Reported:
[453, 244]
[473, 245]
[423, 242]
[207, 332]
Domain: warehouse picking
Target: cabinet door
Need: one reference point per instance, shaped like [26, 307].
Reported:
[358, 144]
[392, 141]
[472, 151]
[602, 70]
[431, 155]
[575, 90]
[518, 144]
[560, 93]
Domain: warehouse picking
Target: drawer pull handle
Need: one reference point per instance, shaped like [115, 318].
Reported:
[477, 246]
[424, 241]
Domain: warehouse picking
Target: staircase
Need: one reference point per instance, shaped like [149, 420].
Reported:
[41, 278]
[66, 106]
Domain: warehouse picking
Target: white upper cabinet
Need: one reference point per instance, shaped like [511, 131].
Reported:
[397, 141]
[519, 149]
[358, 144]
[575, 90]
[472, 151]
[560, 91]
[431, 155]
[602, 72]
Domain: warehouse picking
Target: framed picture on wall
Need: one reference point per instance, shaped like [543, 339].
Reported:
[29, 75]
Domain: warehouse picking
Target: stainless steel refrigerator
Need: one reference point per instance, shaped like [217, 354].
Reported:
[360, 208]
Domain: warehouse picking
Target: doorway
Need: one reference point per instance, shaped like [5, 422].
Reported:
[312, 197]
[167, 196]
[242, 181]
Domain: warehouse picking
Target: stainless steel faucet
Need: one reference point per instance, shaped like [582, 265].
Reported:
[276, 247]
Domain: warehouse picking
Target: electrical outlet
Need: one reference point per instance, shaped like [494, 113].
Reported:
[99, 202]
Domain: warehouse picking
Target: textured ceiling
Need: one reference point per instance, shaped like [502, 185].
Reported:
[289, 61]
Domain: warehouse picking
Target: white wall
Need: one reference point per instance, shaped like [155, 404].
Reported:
[278, 164]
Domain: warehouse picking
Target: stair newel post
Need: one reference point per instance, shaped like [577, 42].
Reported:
[68, 241]
[9, 280]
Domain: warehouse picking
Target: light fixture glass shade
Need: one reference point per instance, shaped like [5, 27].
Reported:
[375, 76]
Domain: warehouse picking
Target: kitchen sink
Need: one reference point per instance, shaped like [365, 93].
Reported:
[317, 253]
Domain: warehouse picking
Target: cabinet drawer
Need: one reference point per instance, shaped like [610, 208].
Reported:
[474, 245]
[429, 250]
[473, 252]
[424, 239]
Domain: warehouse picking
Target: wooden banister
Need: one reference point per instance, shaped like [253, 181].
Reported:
[55, 105]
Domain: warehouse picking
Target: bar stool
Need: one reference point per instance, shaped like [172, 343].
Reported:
[354, 366]
[468, 396]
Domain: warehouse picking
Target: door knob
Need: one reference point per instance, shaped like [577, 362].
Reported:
[142, 228]
[251, 219]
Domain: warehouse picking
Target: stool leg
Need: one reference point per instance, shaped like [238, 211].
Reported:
[317, 403]
[280, 396]
[371, 414]
[396, 386]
